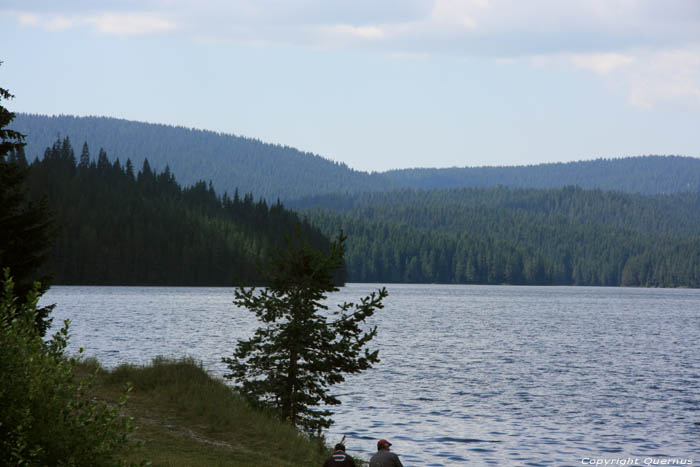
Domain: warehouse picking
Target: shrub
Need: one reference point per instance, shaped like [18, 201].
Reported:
[46, 415]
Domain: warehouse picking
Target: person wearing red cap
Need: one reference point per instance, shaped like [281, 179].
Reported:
[384, 457]
[339, 458]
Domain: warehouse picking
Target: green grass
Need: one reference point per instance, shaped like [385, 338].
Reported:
[185, 417]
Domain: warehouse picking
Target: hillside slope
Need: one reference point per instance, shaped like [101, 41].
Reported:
[117, 226]
[641, 174]
[273, 171]
[268, 170]
[186, 417]
[557, 236]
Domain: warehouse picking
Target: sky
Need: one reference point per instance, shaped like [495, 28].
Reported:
[376, 84]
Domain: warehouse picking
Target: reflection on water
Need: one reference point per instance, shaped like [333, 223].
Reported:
[469, 374]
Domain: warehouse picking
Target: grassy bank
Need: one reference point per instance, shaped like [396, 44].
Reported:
[184, 417]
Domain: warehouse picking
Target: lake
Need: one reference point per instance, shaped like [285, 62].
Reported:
[469, 375]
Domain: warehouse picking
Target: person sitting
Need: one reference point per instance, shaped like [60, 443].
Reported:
[339, 458]
[384, 457]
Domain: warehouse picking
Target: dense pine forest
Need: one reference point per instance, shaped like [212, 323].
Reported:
[563, 236]
[118, 226]
[274, 171]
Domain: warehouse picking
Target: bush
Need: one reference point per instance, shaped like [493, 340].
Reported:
[46, 415]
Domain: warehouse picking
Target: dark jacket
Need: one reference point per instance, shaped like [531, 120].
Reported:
[339, 459]
[384, 458]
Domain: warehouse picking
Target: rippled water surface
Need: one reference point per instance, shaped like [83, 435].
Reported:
[470, 375]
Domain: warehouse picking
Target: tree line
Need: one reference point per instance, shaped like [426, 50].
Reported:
[563, 236]
[122, 227]
[119, 226]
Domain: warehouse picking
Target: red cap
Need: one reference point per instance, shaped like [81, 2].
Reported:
[382, 442]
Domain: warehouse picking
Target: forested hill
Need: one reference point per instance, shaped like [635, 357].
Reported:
[273, 171]
[562, 236]
[642, 174]
[117, 226]
[270, 171]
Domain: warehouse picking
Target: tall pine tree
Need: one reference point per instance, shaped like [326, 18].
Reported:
[25, 225]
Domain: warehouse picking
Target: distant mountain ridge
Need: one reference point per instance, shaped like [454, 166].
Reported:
[274, 171]
[639, 174]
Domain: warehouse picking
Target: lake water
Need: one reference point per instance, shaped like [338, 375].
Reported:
[469, 375]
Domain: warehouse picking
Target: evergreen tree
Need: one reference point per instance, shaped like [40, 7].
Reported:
[129, 168]
[301, 350]
[25, 226]
[84, 156]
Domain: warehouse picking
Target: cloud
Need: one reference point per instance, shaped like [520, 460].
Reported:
[123, 24]
[131, 24]
[665, 76]
[346, 31]
[460, 13]
[647, 49]
[28, 19]
[53, 23]
[603, 63]
[491, 28]
[646, 77]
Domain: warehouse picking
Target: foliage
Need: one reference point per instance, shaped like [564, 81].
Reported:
[47, 417]
[125, 228]
[301, 349]
[25, 226]
[564, 236]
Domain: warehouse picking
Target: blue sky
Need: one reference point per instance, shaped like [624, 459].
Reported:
[377, 84]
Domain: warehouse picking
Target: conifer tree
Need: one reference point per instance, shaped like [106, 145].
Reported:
[302, 348]
[25, 226]
[129, 168]
[84, 156]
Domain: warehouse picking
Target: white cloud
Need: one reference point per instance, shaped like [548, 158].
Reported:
[665, 76]
[131, 24]
[646, 77]
[650, 77]
[643, 48]
[497, 28]
[28, 19]
[51, 23]
[61, 23]
[346, 31]
[460, 13]
[124, 24]
[603, 63]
